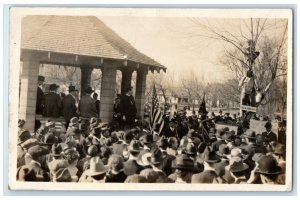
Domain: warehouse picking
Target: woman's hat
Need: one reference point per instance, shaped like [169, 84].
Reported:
[236, 164]
[268, 165]
[96, 167]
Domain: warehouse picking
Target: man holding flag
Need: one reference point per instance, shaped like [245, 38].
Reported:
[156, 115]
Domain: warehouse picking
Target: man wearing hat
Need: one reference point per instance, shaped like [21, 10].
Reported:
[87, 107]
[52, 102]
[69, 109]
[184, 168]
[209, 174]
[170, 130]
[268, 170]
[40, 96]
[96, 173]
[128, 108]
[269, 135]
[219, 136]
[130, 166]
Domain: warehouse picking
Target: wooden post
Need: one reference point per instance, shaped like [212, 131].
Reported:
[28, 91]
[140, 91]
[107, 97]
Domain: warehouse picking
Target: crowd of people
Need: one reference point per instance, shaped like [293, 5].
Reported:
[188, 150]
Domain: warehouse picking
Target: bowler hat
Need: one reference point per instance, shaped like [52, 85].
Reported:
[89, 90]
[41, 78]
[268, 165]
[182, 161]
[96, 167]
[268, 125]
[72, 88]
[62, 175]
[134, 146]
[53, 86]
[237, 165]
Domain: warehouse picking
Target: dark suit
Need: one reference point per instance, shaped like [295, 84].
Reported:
[39, 101]
[168, 132]
[52, 105]
[269, 137]
[87, 107]
[69, 107]
[128, 109]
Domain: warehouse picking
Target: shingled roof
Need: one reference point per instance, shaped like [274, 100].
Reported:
[79, 35]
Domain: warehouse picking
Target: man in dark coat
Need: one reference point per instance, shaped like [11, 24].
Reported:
[169, 130]
[40, 96]
[52, 102]
[269, 135]
[87, 107]
[69, 105]
[128, 108]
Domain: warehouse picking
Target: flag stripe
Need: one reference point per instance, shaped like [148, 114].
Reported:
[156, 116]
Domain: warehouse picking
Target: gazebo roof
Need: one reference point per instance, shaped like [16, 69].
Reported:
[79, 35]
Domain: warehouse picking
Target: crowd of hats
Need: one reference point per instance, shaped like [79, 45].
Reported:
[92, 151]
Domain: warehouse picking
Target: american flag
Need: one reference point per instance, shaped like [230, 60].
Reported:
[156, 116]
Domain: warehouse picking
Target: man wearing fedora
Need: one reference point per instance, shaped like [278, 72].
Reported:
[69, 109]
[209, 174]
[87, 107]
[40, 96]
[52, 102]
[130, 166]
[269, 135]
[184, 168]
[96, 173]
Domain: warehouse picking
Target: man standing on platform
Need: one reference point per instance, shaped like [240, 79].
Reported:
[69, 109]
[87, 107]
[52, 102]
[128, 108]
[40, 96]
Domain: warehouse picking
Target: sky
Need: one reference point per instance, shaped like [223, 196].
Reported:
[175, 42]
